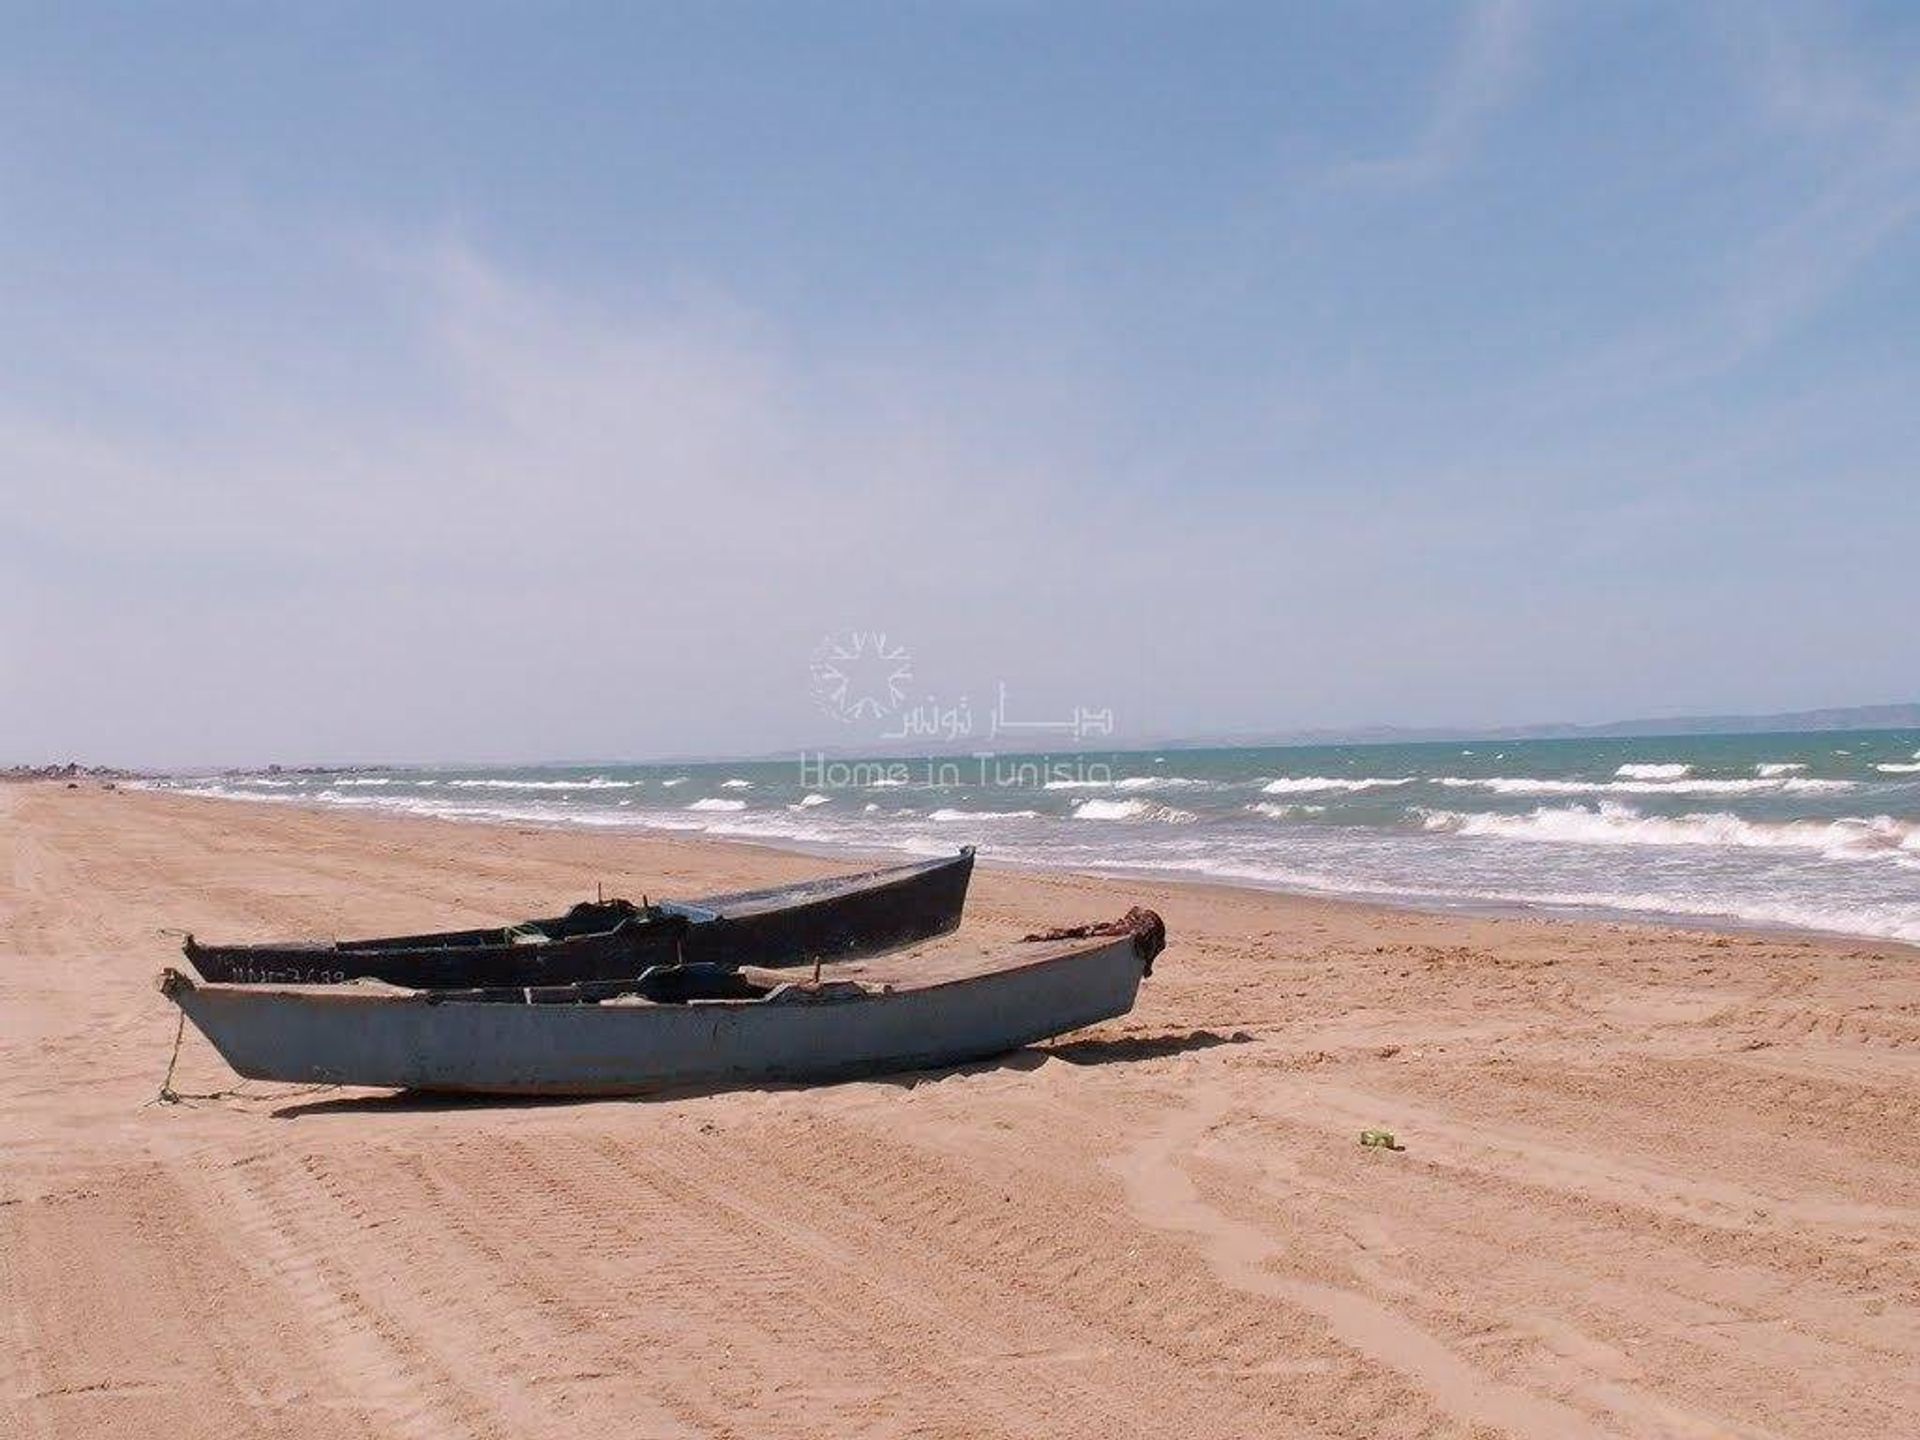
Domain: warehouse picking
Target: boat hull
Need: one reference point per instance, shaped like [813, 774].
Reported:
[361, 1035]
[839, 918]
[827, 921]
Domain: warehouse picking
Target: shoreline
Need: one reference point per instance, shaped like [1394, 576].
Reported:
[1434, 906]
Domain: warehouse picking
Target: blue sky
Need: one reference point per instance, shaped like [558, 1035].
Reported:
[526, 382]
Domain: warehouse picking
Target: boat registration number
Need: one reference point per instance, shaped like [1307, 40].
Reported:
[293, 975]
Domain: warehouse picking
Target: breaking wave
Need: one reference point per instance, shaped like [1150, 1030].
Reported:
[1281, 812]
[1129, 810]
[598, 782]
[715, 803]
[1662, 771]
[1775, 768]
[1307, 784]
[1612, 823]
[1527, 785]
[1129, 782]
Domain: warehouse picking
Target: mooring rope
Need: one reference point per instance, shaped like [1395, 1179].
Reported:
[170, 1096]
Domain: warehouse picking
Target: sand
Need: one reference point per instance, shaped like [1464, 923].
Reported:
[1654, 1183]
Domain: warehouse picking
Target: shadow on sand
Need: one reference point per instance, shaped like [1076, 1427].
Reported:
[1142, 1047]
[1125, 1050]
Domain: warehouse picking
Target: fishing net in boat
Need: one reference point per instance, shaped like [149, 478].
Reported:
[1148, 930]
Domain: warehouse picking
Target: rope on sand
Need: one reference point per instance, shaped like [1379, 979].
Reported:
[170, 1096]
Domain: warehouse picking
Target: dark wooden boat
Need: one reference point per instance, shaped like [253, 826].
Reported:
[838, 918]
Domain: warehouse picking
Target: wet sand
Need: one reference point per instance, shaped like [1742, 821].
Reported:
[1655, 1182]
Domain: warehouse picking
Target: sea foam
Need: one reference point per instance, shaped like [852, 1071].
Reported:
[1129, 810]
[1528, 785]
[597, 782]
[1614, 823]
[1307, 784]
[1282, 812]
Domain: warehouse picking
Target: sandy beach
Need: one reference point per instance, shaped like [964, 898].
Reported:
[1655, 1183]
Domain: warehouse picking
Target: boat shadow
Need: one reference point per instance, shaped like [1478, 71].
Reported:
[1120, 1050]
[1126, 1048]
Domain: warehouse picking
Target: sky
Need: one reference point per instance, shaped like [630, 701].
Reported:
[514, 382]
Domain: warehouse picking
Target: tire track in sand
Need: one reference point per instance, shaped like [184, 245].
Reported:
[134, 1312]
[1165, 1196]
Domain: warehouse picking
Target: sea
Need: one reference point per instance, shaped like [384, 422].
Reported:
[1816, 832]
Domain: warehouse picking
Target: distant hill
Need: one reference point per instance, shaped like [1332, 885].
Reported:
[1848, 717]
[1853, 717]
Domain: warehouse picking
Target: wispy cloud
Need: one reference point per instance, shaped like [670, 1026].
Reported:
[590, 491]
[1849, 127]
[1486, 71]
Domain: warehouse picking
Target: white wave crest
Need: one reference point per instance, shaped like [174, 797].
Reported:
[1128, 782]
[807, 802]
[1653, 772]
[948, 815]
[1897, 768]
[1522, 785]
[1307, 784]
[736, 784]
[1129, 810]
[1529, 785]
[1612, 823]
[597, 782]
[713, 803]
[1772, 769]
[1281, 812]
[364, 780]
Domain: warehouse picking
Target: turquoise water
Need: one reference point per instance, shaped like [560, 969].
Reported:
[1811, 831]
